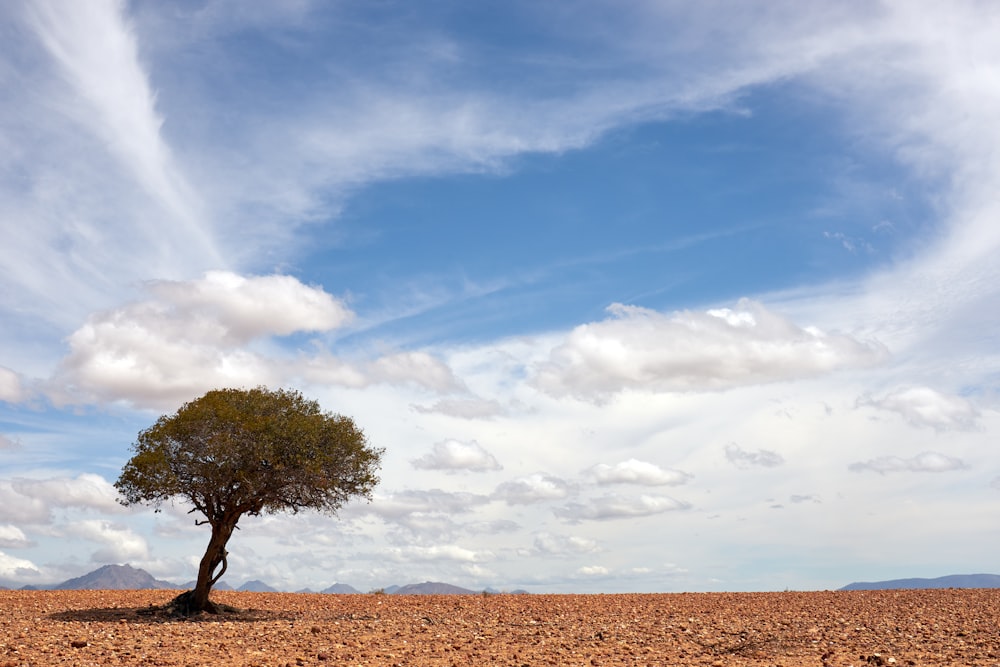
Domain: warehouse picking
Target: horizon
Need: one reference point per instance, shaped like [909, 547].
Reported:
[652, 298]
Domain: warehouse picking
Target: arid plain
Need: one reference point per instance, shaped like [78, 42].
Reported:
[912, 627]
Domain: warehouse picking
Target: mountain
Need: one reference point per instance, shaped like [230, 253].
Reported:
[114, 577]
[949, 581]
[257, 586]
[220, 586]
[432, 588]
[340, 588]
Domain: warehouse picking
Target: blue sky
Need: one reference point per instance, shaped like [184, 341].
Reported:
[649, 298]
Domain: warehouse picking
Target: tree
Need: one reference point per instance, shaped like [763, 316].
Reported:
[236, 452]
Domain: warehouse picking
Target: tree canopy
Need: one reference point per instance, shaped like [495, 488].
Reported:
[236, 452]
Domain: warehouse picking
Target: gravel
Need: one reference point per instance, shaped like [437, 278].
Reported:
[860, 628]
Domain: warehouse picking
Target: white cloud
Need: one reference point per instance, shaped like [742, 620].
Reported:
[16, 569]
[922, 406]
[399, 505]
[535, 488]
[923, 462]
[634, 471]
[96, 50]
[13, 537]
[742, 458]
[11, 389]
[611, 507]
[120, 543]
[7, 443]
[454, 456]
[550, 544]
[33, 499]
[446, 552]
[690, 351]
[593, 571]
[464, 408]
[192, 336]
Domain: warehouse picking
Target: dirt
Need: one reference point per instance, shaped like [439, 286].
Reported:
[860, 628]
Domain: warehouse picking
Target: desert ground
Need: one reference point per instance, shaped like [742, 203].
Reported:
[929, 627]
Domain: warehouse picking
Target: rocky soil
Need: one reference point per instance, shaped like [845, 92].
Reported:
[861, 628]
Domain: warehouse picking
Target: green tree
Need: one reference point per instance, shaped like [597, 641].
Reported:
[236, 452]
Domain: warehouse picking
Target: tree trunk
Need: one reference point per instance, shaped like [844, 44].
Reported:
[195, 601]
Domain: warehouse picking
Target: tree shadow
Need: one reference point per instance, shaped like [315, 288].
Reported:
[163, 614]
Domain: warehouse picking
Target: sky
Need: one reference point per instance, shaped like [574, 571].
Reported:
[644, 297]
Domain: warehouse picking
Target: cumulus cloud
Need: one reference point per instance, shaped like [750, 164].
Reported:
[614, 506]
[449, 552]
[549, 544]
[32, 500]
[593, 571]
[642, 349]
[923, 462]
[404, 503]
[535, 488]
[119, 543]
[456, 456]
[191, 336]
[922, 406]
[13, 537]
[16, 568]
[742, 458]
[634, 471]
[11, 390]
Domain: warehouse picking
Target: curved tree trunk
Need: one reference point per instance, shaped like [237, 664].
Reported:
[195, 601]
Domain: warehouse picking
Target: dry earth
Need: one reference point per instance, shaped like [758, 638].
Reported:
[861, 628]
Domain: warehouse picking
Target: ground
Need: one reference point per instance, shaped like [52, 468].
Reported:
[860, 628]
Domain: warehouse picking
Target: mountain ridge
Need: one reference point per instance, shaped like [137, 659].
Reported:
[947, 581]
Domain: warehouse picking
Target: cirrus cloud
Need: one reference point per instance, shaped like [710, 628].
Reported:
[923, 462]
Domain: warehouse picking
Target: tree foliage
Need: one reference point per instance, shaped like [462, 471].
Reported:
[236, 452]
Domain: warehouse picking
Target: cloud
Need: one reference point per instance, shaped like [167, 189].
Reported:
[612, 507]
[11, 389]
[16, 568]
[535, 488]
[923, 462]
[593, 571]
[402, 504]
[446, 552]
[120, 544]
[97, 52]
[8, 443]
[634, 471]
[191, 336]
[464, 408]
[922, 406]
[549, 544]
[455, 456]
[717, 349]
[742, 458]
[13, 537]
[33, 499]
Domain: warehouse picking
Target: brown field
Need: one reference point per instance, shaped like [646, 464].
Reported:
[943, 627]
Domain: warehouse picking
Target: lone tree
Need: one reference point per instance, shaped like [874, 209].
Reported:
[236, 452]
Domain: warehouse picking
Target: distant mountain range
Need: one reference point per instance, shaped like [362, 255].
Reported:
[949, 581]
[126, 577]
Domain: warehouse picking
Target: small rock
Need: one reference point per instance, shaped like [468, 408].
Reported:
[78, 643]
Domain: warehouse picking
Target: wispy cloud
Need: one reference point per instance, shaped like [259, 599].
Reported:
[923, 462]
